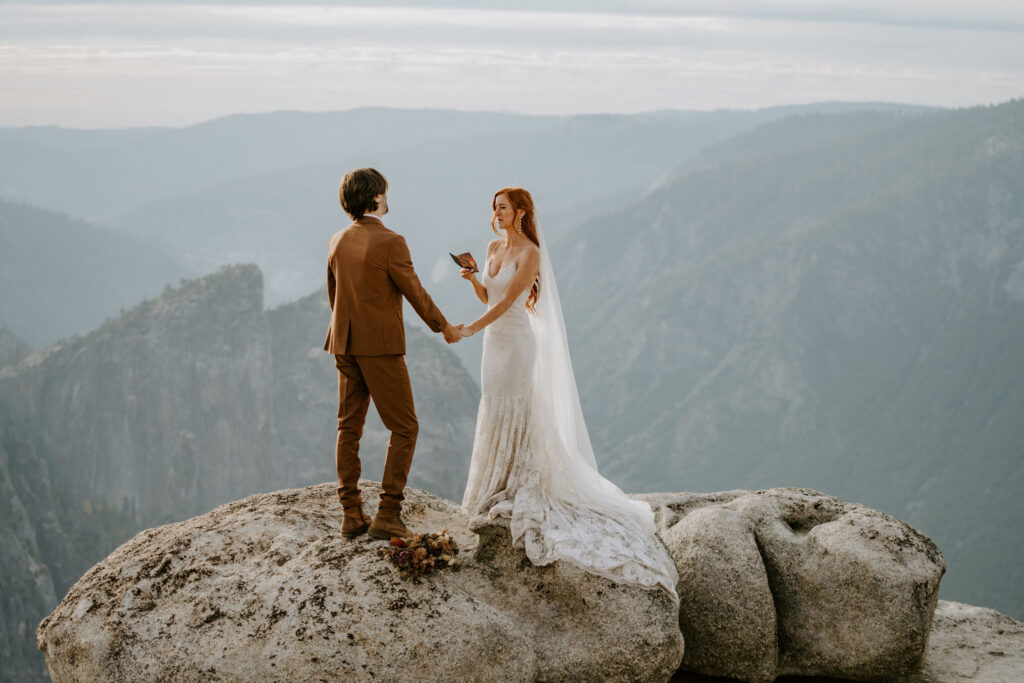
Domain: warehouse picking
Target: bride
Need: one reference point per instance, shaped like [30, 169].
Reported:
[532, 460]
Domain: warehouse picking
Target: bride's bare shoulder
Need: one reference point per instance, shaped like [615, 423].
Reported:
[529, 257]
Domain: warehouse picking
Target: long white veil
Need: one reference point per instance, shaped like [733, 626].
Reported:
[573, 477]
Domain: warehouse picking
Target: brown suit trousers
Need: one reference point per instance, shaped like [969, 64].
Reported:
[369, 270]
[386, 380]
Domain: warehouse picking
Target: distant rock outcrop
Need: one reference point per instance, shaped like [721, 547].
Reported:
[792, 581]
[164, 411]
[266, 586]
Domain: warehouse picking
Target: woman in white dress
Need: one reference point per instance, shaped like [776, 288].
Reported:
[532, 459]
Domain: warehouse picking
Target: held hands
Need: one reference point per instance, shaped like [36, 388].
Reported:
[466, 330]
[452, 333]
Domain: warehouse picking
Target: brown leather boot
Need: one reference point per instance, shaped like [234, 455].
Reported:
[387, 523]
[354, 522]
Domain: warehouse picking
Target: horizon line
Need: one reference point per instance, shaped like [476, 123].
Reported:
[509, 112]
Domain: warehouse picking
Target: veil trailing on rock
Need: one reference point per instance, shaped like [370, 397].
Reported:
[571, 512]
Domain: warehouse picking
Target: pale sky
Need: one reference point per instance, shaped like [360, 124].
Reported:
[157, 63]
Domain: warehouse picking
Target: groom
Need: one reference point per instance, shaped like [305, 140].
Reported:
[369, 270]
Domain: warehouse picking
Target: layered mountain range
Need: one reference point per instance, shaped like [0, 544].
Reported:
[823, 297]
[263, 188]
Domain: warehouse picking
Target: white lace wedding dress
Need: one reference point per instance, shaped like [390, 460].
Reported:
[526, 469]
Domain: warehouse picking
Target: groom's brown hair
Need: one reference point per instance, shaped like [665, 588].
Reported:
[358, 189]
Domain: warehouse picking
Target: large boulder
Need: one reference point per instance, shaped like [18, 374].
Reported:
[793, 581]
[726, 611]
[266, 587]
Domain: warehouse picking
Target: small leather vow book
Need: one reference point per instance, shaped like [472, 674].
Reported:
[465, 261]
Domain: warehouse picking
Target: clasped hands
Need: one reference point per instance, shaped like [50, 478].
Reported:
[454, 333]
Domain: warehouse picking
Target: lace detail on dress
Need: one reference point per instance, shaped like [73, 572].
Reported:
[613, 547]
[501, 433]
[578, 517]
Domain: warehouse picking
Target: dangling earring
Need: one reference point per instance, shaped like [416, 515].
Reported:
[519, 225]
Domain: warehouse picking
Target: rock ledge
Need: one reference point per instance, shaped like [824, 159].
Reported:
[267, 587]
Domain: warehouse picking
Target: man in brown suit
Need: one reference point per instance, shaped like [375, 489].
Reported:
[369, 270]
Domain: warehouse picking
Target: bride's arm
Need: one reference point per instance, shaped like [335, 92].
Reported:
[527, 268]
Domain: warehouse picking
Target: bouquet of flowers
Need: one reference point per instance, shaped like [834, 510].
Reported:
[423, 554]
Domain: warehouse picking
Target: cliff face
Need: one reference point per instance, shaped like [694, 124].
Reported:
[32, 545]
[179, 405]
[123, 413]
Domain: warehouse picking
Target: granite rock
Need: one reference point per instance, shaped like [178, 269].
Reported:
[793, 581]
[266, 587]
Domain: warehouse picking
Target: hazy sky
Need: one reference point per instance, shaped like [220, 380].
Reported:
[140, 63]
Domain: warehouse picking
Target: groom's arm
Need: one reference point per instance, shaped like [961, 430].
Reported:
[404, 276]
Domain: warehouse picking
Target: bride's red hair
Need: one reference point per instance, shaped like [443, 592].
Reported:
[521, 201]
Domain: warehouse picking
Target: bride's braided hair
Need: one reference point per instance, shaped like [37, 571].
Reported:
[522, 201]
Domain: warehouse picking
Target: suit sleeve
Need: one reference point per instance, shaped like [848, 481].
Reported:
[402, 274]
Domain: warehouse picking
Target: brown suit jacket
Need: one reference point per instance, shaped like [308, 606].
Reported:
[369, 269]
